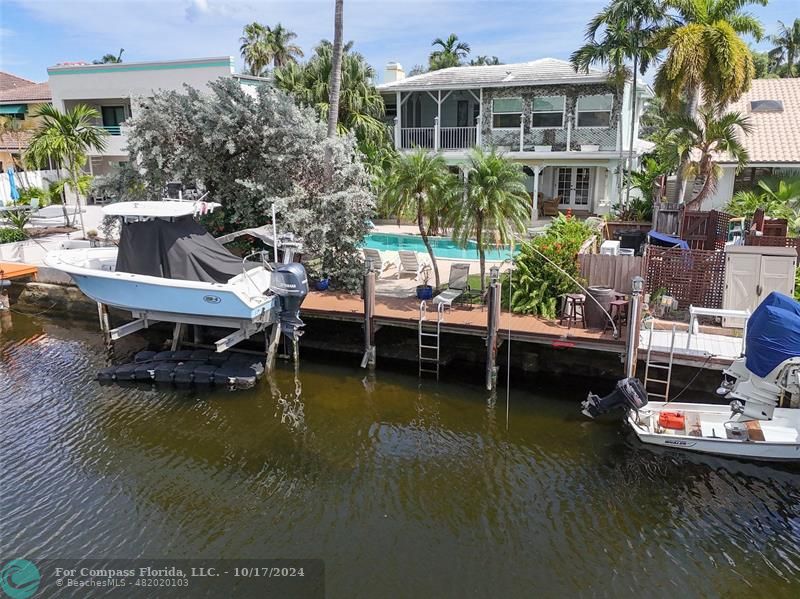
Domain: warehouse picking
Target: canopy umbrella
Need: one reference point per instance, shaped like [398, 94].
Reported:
[12, 184]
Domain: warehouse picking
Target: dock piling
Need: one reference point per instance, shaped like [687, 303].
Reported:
[272, 346]
[634, 320]
[492, 326]
[368, 361]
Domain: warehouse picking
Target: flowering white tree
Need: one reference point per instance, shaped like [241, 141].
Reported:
[253, 151]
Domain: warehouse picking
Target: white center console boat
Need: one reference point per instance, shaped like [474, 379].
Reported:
[169, 268]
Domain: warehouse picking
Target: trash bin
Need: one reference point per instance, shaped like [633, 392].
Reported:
[631, 240]
[595, 317]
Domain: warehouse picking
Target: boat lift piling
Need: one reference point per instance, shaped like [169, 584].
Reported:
[368, 361]
[634, 322]
[492, 326]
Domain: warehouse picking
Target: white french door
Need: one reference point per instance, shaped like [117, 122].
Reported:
[574, 186]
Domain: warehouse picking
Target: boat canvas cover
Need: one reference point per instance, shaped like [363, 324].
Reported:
[773, 333]
[177, 249]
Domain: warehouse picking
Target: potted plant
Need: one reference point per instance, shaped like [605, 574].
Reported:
[425, 291]
[323, 283]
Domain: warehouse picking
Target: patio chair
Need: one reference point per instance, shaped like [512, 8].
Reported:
[379, 265]
[456, 286]
[549, 207]
[409, 263]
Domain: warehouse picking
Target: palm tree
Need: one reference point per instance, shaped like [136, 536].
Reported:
[700, 141]
[360, 104]
[255, 47]
[335, 81]
[283, 51]
[65, 138]
[110, 58]
[451, 53]
[482, 61]
[629, 28]
[706, 57]
[787, 45]
[495, 202]
[419, 183]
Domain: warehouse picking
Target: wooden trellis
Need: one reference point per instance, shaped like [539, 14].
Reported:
[693, 277]
[705, 230]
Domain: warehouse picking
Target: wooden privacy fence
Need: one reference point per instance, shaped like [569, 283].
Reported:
[774, 241]
[705, 230]
[610, 271]
[693, 277]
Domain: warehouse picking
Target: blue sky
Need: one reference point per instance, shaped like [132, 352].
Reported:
[35, 34]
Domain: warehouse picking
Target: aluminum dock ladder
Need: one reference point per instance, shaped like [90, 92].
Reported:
[429, 339]
[665, 370]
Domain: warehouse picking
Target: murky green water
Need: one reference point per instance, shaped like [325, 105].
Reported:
[405, 490]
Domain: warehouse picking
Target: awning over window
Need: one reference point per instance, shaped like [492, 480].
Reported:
[13, 108]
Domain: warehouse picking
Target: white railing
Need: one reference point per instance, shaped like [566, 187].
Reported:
[417, 137]
[457, 138]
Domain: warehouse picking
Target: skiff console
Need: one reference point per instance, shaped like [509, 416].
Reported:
[762, 420]
[168, 268]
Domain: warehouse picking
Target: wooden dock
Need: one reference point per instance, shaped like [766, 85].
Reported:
[464, 320]
[16, 270]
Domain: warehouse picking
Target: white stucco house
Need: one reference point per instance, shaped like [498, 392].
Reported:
[113, 88]
[567, 128]
[773, 109]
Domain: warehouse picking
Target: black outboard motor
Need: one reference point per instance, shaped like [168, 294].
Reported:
[290, 284]
[629, 394]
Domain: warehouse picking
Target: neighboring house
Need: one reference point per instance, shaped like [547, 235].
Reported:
[567, 128]
[773, 108]
[18, 100]
[113, 89]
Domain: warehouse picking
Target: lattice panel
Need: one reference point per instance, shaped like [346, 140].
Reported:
[557, 138]
[603, 137]
[693, 277]
[773, 241]
[508, 137]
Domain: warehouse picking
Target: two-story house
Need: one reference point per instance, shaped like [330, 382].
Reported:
[113, 89]
[569, 130]
[19, 99]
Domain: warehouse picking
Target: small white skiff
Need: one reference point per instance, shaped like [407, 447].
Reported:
[713, 429]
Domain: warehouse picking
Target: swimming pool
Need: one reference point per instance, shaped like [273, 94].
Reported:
[443, 247]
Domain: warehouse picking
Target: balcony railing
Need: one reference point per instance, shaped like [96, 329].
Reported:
[417, 137]
[113, 129]
[457, 138]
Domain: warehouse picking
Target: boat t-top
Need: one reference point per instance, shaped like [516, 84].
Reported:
[168, 268]
[761, 422]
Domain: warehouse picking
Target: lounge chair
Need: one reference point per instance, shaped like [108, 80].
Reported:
[409, 263]
[456, 286]
[379, 265]
[53, 215]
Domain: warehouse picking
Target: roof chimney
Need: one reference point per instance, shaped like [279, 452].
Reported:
[394, 72]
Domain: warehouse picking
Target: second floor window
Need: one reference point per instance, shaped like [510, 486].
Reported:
[595, 111]
[548, 112]
[506, 113]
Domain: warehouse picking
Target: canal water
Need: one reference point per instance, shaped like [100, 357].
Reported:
[404, 489]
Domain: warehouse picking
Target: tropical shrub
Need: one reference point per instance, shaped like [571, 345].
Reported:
[539, 267]
[780, 198]
[26, 194]
[253, 153]
[11, 234]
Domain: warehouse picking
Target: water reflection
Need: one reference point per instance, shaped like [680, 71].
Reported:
[405, 488]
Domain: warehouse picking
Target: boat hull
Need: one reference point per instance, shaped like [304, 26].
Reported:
[143, 294]
[785, 420]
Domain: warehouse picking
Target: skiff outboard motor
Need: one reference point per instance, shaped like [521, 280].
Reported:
[629, 394]
[290, 284]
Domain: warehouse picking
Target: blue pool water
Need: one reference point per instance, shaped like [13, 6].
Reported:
[443, 247]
